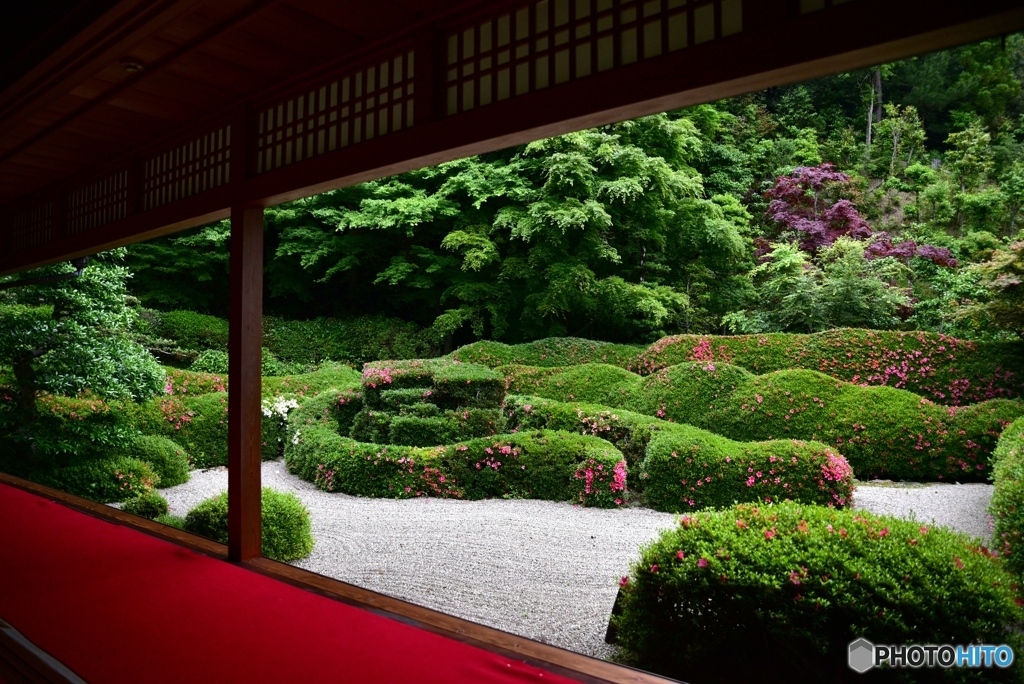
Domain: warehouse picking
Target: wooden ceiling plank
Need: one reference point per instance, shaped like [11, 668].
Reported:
[216, 72]
[106, 40]
[158, 107]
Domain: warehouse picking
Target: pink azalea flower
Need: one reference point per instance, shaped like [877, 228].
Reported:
[624, 581]
[701, 563]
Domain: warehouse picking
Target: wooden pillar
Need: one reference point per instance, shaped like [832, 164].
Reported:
[245, 337]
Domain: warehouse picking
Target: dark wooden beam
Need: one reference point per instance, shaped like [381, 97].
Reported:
[244, 360]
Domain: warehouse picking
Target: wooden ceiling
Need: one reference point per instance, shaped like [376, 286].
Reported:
[89, 101]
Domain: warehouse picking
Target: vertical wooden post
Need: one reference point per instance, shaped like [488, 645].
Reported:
[245, 337]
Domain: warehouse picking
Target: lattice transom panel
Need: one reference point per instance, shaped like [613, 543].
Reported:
[32, 227]
[188, 169]
[364, 105]
[556, 41]
[98, 203]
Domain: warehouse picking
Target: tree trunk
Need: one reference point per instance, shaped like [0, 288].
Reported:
[877, 89]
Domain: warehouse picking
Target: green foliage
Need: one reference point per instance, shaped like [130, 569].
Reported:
[148, 505]
[1003, 277]
[686, 468]
[883, 432]
[942, 368]
[1007, 505]
[175, 521]
[548, 352]
[682, 467]
[592, 382]
[450, 384]
[351, 341]
[327, 376]
[191, 330]
[168, 460]
[789, 579]
[286, 527]
[69, 429]
[198, 423]
[540, 464]
[450, 426]
[211, 361]
[841, 288]
[101, 480]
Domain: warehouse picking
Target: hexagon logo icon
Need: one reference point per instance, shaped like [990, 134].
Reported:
[862, 656]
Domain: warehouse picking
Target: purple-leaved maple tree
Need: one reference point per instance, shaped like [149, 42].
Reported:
[799, 202]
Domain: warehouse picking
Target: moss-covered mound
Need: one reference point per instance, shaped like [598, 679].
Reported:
[796, 584]
[549, 352]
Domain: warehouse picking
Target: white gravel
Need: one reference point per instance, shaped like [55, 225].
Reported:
[963, 507]
[540, 569]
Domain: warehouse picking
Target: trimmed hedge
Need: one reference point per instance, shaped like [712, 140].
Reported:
[352, 340]
[200, 424]
[1007, 505]
[882, 431]
[592, 382]
[941, 368]
[191, 330]
[148, 505]
[168, 460]
[540, 465]
[102, 480]
[68, 430]
[682, 467]
[794, 585]
[451, 385]
[548, 352]
[287, 531]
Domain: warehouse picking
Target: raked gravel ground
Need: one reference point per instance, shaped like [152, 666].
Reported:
[540, 569]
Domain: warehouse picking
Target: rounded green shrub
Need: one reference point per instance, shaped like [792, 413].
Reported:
[793, 585]
[148, 505]
[941, 368]
[683, 393]
[883, 432]
[548, 352]
[211, 361]
[287, 531]
[1007, 505]
[103, 480]
[589, 382]
[168, 460]
[175, 521]
[687, 468]
[191, 330]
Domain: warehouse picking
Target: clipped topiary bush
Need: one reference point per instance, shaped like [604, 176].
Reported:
[286, 527]
[541, 464]
[181, 383]
[175, 521]
[796, 584]
[588, 382]
[168, 460]
[103, 480]
[941, 368]
[549, 352]
[1007, 505]
[191, 330]
[211, 361]
[883, 432]
[147, 505]
[352, 340]
[681, 467]
[687, 468]
[328, 376]
[69, 430]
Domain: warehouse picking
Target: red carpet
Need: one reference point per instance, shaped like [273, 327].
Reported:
[116, 605]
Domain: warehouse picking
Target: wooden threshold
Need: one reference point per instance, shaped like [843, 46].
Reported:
[22, 662]
[551, 658]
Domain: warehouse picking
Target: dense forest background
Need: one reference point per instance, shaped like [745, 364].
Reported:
[887, 198]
